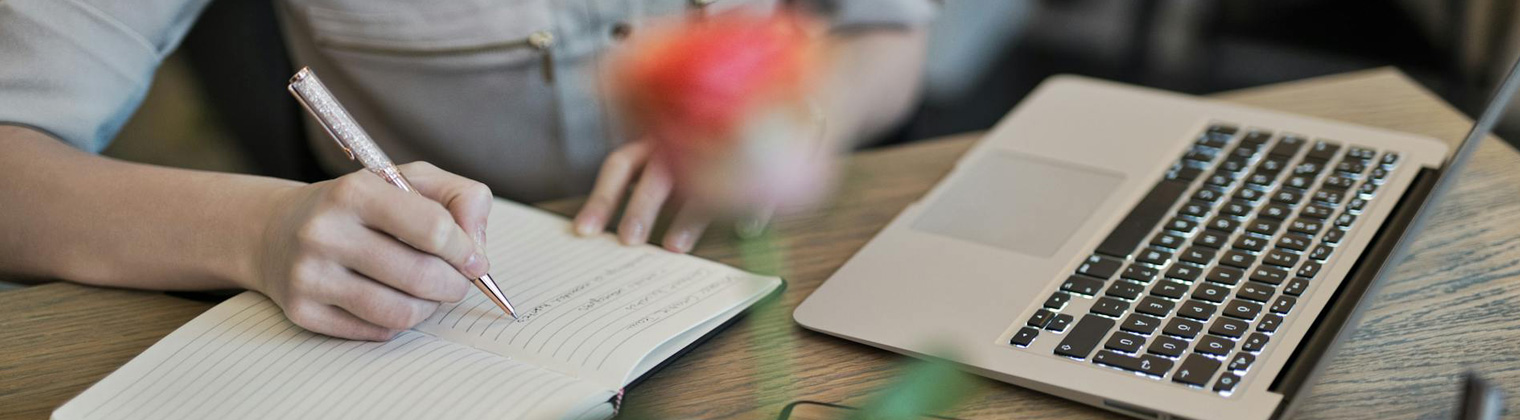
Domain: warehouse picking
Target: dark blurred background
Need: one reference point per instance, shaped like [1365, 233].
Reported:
[985, 56]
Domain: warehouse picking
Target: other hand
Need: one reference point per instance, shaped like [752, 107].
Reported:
[652, 192]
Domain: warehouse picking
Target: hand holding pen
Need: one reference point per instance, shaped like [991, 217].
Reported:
[356, 257]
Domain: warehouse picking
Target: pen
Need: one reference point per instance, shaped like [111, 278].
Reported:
[319, 101]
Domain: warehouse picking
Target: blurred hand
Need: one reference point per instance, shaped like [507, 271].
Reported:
[653, 191]
[355, 257]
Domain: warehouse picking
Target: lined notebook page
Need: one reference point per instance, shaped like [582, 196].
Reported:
[243, 359]
[591, 308]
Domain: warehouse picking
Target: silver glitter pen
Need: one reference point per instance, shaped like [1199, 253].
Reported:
[319, 101]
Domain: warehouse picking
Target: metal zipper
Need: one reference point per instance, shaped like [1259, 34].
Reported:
[541, 40]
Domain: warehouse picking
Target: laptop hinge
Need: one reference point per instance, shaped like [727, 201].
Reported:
[1343, 309]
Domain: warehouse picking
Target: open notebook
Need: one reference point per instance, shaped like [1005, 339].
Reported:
[594, 315]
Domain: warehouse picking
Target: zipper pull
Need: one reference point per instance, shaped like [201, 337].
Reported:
[543, 41]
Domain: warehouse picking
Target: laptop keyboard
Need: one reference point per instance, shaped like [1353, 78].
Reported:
[1192, 284]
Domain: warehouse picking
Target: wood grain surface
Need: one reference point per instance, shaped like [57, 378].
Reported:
[1453, 305]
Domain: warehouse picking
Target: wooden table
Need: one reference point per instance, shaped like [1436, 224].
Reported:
[1453, 305]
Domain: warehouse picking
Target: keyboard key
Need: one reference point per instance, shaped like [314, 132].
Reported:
[1059, 323]
[1186, 173]
[1269, 323]
[1099, 266]
[1141, 324]
[1257, 136]
[1367, 189]
[1211, 292]
[1356, 204]
[1333, 236]
[1124, 290]
[1221, 179]
[1316, 211]
[1196, 370]
[1235, 208]
[1229, 327]
[1261, 179]
[1154, 306]
[1281, 258]
[1241, 362]
[1110, 306]
[1283, 305]
[1184, 272]
[1251, 242]
[1276, 211]
[1147, 364]
[1084, 336]
[1255, 291]
[1212, 239]
[1389, 159]
[1321, 252]
[1248, 194]
[1057, 300]
[1337, 182]
[1323, 149]
[1332, 198]
[1287, 146]
[1302, 182]
[1254, 343]
[1273, 165]
[1082, 285]
[1269, 275]
[1139, 273]
[1207, 195]
[1125, 237]
[1223, 224]
[1214, 139]
[1125, 342]
[1296, 287]
[1168, 240]
[1242, 309]
[1294, 241]
[1361, 154]
[1226, 275]
[1378, 174]
[1197, 255]
[1170, 289]
[1214, 345]
[1154, 256]
[1200, 154]
[1345, 220]
[1226, 383]
[1025, 336]
[1040, 318]
[1195, 208]
[1179, 224]
[1305, 226]
[1264, 227]
[1309, 167]
[1182, 327]
[1196, 310]
[1234, 164]
[1237, 258]
[1309, 269]
[1288, 196]
[1168, 346]
[1350, 167]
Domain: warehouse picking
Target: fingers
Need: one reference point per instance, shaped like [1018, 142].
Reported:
[415, 220]
[468, 200]
[686, 228]
[384, 259]
[331, 320]
[616, 173]
[375, 303]
[644, 204]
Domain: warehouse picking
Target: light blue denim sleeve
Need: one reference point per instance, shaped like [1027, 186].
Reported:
[849, 14]
[77, 69]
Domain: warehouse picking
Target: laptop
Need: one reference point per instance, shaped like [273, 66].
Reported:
[1154, 254]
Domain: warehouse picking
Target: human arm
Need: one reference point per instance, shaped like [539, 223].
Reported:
[328, 252]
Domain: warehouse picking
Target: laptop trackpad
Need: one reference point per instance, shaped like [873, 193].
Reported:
[1020, 203]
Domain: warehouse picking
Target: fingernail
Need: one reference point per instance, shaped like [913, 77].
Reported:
[634, 234]
[480, 237]
[586, 227]
[681, 242]
[476, 265]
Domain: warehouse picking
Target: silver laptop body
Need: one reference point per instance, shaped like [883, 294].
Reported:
[1072, 252]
